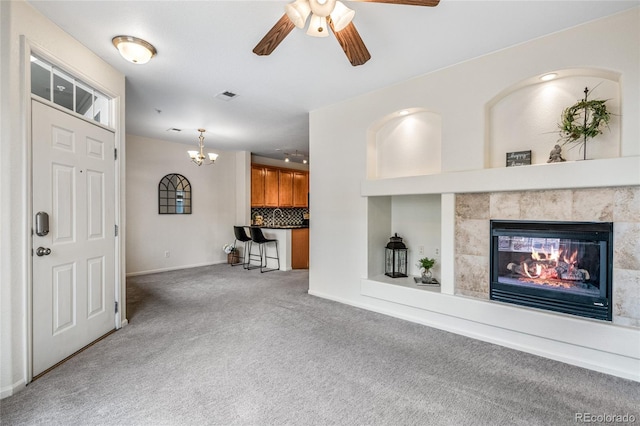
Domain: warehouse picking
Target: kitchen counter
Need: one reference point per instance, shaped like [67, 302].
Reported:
[282, 233]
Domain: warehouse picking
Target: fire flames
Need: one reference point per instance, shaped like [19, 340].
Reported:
[553, 265]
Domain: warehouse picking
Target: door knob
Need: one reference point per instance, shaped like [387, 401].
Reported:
[41, 251]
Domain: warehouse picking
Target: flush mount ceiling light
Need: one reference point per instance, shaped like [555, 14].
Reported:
[325, 14]
[134, 49]
[198, 157]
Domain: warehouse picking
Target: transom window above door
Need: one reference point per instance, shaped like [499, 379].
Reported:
[55, 85]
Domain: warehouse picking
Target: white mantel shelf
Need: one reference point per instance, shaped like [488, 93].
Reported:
[623, 171]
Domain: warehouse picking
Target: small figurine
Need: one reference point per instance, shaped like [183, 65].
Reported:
[555, 156]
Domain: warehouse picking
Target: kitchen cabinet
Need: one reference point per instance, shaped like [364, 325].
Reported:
[271, 186]
[300, 189]
[257, 186]
[278, 187]
[300, 248]
[264, 186]
[285, 194]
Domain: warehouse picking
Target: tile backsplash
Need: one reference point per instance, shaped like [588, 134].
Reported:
[289, 216]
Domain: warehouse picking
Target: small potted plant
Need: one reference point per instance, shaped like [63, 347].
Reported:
[232, 253]
[425, 264]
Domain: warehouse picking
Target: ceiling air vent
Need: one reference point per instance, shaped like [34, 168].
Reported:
[226, 95]
[173, 129]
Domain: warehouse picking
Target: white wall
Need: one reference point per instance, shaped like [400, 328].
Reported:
[460, 95]
[23, 28]
[192, 239]
[243, 187]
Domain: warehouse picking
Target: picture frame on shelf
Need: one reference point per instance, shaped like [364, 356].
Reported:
[519, 158]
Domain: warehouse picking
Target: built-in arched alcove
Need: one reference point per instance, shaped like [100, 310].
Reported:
[526, 116]
[404, 143]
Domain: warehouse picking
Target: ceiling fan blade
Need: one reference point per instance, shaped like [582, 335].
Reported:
[276, 34]
[351, 43]
[408, 2]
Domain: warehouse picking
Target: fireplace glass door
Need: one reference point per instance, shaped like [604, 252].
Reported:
[564, 267]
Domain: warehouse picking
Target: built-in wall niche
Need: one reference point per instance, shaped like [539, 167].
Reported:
[404, 143]
[526, 116]
[415, 218]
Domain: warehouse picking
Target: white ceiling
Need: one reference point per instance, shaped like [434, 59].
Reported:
[205, 48]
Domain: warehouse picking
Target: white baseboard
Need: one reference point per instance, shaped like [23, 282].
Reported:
[173, 268]
[8, 391]
[603, 361]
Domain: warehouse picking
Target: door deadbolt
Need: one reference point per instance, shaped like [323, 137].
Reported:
[41, 251]
[42, 224]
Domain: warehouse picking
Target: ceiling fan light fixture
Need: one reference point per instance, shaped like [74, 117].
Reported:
[322, 8]
[133, 49]
[341, 16]
[298, 12]
[336, 15]
[318, 26]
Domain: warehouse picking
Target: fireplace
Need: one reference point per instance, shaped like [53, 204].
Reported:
[559, 266]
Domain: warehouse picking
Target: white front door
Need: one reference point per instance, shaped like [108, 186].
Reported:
[74, 283]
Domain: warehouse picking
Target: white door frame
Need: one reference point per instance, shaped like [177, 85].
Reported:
[27, 48]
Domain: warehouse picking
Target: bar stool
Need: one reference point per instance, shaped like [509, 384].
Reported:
[241, 235]
[258, 237]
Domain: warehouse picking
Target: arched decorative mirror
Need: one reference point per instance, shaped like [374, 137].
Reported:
[174, 195]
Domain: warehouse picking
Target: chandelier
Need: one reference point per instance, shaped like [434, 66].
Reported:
[198, 157]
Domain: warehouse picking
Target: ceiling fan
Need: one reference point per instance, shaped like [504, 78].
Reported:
[326, 13]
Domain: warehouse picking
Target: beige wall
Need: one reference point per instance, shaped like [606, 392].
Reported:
[192, 240]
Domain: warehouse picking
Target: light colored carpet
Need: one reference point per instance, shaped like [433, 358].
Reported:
[225, 346]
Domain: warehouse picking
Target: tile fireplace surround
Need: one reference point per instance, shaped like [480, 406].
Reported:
[620, 205]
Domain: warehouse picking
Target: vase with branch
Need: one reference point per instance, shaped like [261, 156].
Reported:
[582, 121]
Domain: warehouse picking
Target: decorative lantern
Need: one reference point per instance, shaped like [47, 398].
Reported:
[395, 258]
